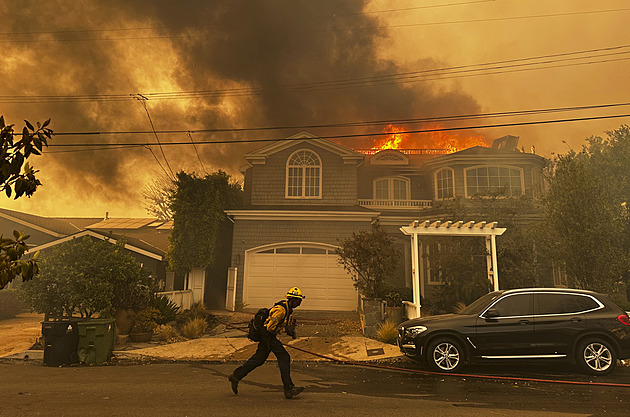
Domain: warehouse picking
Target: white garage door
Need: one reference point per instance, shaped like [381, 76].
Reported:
[270, 272]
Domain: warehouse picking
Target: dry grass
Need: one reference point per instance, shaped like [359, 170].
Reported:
[194, 328]
[387, 332]
[167, 333]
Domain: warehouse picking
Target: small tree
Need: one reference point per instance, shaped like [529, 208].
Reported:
[586, 219]
[369, 257]
[158, 196]
[199, 220]
[88, 276]
[17, 178]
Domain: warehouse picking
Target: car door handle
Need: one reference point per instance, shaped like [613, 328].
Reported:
[577, 319]
[523, 322]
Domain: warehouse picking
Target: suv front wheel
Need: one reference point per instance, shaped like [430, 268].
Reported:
[596, 356]
[445, 355]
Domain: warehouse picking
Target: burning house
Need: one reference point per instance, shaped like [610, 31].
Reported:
[305, 194]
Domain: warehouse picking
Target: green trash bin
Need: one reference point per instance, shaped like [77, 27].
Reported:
[96, 340]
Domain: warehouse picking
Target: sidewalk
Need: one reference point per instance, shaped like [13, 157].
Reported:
[331, 335]
[239, 348]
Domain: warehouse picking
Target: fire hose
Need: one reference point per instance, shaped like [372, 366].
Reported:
[459, 375]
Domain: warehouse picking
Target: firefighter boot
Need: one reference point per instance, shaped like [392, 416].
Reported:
[234, 382]
[293, 392]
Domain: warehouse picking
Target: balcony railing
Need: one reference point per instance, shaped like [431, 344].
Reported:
[396, 204]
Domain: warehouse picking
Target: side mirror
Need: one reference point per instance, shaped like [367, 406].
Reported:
[491, 313]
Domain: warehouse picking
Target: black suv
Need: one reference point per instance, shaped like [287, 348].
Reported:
[534, 323]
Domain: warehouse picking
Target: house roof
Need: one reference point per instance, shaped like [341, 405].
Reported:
[480, 153]
[259, 156]
[148, 236]
[54, 226]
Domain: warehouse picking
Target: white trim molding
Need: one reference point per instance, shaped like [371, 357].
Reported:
[96, 236]
[289, 214]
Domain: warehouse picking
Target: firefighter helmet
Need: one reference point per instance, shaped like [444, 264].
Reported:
[295, 292]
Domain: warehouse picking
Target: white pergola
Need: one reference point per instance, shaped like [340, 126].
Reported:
[488, 230]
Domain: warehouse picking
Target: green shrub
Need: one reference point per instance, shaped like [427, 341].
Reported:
[10, 305]
[145, 320]
[394, 296]
[167, 308]
[194, 328]
[196, 311]
[167, 333]
[387, 332]
[89, 277]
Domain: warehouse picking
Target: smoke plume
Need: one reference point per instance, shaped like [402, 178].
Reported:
[240, 63]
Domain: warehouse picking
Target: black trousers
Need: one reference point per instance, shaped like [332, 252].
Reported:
[268, 344]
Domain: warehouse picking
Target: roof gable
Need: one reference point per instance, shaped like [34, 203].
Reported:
[259, 156]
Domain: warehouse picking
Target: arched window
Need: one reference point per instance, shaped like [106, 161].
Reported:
[499, 181]
[393, 188]
[444, 188]
[304, 175]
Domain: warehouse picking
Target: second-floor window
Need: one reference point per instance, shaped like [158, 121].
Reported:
[444, 184]
[304, 175]
[391, 188]
[501, 181]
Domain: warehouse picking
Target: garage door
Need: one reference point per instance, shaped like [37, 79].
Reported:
[271, 271]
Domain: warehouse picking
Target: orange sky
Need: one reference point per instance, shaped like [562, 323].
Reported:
[125, 47]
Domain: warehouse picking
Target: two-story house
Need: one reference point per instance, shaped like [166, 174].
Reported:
[305, 194]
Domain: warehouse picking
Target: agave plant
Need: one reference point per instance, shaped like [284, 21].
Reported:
[167, 308]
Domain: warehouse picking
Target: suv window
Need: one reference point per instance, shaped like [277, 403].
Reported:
[515, 305]
[550, 303]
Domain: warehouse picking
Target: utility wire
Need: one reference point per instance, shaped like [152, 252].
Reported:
[351, 136]
[487, 68]
[337, 28]
[382, 122]
[197, 152]
[143, 101]
[231, 24]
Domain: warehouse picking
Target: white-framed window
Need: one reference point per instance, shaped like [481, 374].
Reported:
[501, 181]
[444, 187]
[391, 188]
[304, 175]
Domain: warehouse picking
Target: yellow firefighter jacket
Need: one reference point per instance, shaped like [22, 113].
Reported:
[279, 317]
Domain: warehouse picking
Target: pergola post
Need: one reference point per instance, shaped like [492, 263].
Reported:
[495, 267]
[488, 230]
[415, 274]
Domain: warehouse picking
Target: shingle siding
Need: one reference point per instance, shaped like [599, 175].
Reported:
[339, 180]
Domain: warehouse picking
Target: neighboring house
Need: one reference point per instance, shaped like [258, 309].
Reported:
[305, 194]
[146, 239]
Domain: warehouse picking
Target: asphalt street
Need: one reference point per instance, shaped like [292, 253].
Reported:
[202, 389]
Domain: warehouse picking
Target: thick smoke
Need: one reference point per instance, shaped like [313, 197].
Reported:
[127, 47]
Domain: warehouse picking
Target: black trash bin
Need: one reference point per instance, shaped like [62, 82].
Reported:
[61, 339]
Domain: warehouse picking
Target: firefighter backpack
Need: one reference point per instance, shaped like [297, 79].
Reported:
[254, 331]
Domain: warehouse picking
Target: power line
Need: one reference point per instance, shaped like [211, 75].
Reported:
[351, 136]
[230, 24]
[143, 101]
[319, 30]
[197, 152]
[364, 123]
[487, 68]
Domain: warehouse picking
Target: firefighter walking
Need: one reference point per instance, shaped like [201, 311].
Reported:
[279, 320]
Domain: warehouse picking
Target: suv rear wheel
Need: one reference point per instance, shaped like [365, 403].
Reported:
[445, 355]
[596, 356]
